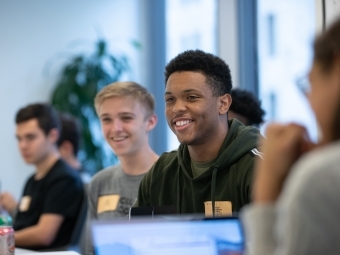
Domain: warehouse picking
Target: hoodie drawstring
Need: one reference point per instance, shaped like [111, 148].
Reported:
[213, 189]
[178, 192]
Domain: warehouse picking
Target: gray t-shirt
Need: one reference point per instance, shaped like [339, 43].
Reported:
[305, 219]
[111, 193]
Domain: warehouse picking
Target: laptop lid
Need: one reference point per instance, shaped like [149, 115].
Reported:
[24, 251]
[171, 235]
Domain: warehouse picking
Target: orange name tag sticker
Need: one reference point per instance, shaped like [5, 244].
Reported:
[107, 203]
[222, 208]
[24, 203]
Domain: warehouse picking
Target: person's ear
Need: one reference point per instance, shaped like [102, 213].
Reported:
[151, 122]
[224, 103]
[66, 147]
[53, 135]
[334, 77]
[337, 71]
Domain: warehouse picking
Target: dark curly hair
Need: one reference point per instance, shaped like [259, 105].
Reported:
[244, 103]
[217, 72]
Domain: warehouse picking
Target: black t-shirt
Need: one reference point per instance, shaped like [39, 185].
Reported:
[59, 192]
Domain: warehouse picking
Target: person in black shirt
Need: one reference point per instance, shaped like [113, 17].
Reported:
[52, 197]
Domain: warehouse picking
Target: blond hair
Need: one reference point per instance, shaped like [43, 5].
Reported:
[126, 89]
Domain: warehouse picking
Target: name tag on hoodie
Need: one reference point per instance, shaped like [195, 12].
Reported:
[222, 208]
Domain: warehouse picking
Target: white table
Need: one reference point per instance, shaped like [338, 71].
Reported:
[23, 251]
[29, 252]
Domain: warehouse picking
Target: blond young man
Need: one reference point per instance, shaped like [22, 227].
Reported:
[126, 113]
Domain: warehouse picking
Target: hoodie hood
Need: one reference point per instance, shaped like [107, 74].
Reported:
[238, 142]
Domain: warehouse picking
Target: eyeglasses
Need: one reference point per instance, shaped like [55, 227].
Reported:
[303, 85]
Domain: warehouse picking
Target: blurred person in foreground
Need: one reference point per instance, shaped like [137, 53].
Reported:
[212, 169]
[295, 208]
[246, 108]
[48, 209]
[126, 114]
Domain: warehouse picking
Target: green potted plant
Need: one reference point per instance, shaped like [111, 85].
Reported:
[81, 78]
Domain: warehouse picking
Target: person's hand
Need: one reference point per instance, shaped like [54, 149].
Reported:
[7, 202]
[283, 145]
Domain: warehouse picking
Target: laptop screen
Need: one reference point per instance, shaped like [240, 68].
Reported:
[154, 236]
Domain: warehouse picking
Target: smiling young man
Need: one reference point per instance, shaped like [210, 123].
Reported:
[212, 169]
[52, 196]
[126, 113]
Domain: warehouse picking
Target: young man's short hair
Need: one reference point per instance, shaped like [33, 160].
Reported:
[217, 72]
[45, 114]
[70, 131]
[244, 103]
[126, 89]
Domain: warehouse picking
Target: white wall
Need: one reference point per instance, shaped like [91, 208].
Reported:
[332, 11]
[227, 30]
[33, 32]
[318, 16]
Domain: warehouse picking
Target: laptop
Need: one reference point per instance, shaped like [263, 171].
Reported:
[168, 235]
[29, 252]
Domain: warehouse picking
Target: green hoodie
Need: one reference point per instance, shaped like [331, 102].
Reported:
[170, 180]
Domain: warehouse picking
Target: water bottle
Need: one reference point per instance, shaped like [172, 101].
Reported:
[5, 218]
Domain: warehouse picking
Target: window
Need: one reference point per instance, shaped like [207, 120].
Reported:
[190, 24]
[286, 30]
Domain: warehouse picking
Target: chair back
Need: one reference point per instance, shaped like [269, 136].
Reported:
[79, 226]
